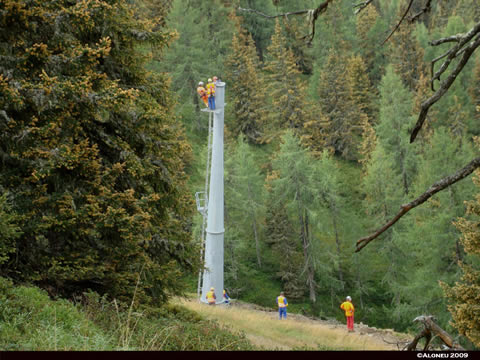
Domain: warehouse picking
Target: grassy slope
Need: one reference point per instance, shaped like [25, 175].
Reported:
[31, 321]
[264, 330]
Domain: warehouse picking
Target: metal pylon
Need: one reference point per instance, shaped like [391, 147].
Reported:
[203, 210]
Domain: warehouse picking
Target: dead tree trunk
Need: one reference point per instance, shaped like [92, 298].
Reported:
[430, 328]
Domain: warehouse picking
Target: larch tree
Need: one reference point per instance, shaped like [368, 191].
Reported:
[290, 109]
[292, 188]
[246, 87]
[245, 200]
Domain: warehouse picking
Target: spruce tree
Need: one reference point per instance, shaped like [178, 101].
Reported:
[92, 154]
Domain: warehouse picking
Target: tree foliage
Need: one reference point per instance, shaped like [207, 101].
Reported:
[91, 154]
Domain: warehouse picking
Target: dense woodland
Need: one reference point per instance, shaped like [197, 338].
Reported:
[103, 147]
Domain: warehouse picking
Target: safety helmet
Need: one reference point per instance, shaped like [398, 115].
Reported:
[209, 80]
[349, 298]
[200, 83]
[211, 289]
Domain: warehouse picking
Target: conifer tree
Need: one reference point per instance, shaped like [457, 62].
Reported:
[435, 257]
[247, 86]
[290, 109]
[395, 119]
[244, 195]
[333, 94]
[282, 238]
[92, 155]
[199, 53]
[463, 296]
[292, 188]
[369, 27]
[405, 52]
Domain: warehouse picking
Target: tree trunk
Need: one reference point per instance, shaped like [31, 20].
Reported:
[337, 241]
[254, 225]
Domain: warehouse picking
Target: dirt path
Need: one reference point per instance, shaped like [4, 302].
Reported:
[263, 329]
[384, 338]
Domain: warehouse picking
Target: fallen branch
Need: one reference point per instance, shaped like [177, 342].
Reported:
[436, 187]
[430, 328]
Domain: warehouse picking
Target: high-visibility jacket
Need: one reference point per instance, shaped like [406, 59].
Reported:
[211, 89]
[201, 91]
[347, 306]
[211, 297]
[282, 301]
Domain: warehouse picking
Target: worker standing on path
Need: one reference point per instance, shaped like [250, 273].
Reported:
[211, 298]
[282, 305]
[202, 93]
[349, 309]
[226, 298]
[211, 94]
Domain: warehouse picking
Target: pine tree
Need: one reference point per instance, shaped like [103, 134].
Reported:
[247, 86]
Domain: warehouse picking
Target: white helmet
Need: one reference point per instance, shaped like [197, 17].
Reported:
[209, 80]
[349, 298]
[200, 83]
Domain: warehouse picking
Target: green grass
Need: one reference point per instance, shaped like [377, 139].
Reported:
[31, 321]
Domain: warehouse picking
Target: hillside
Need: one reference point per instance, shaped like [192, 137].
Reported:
[262, 327]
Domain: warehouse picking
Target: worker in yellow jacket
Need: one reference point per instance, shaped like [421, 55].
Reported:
[211, 298]
[282, 305]
[211, 94]
[349, 309]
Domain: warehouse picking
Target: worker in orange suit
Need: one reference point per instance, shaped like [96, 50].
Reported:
[211, 94]
[202, 93]
[349, 309]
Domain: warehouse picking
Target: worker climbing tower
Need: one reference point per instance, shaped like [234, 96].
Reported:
[213, 203]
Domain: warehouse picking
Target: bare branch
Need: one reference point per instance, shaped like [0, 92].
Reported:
[436, 187]
[460, 49]
[425, 9]
[301, 12]
[401, 20]
[312, 13]
[361, 6]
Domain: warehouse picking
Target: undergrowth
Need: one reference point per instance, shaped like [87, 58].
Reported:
[31, 321]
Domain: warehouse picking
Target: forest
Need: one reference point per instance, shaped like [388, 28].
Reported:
[351, 148]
